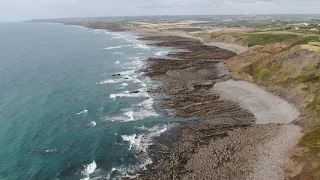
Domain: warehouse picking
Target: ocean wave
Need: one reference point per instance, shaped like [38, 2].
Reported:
[92, 123]
[129, 114]
[141, 46]
[51, 150]
[116, 47]
[125, 78]
[108, 32]
[88, 169]
[118, 36]
[126, 172]
[124, 84]
[83, 112]
[141, 93]
[140, 143]
[161, 53]
[127, 73]
[147, 109]
[111, 81]
[137, 112]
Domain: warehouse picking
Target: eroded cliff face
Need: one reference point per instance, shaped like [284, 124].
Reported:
[292, 72]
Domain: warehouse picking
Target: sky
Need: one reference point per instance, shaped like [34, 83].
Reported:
[20, 10]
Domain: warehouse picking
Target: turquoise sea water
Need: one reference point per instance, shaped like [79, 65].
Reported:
[63, 114]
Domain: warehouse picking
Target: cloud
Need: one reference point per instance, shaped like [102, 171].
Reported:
[266, 2]
[29, 9]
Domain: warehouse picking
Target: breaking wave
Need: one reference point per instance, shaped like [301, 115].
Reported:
[85, 112]
[88, 169]
[140, 143]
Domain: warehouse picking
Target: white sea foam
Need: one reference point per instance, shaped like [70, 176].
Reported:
[124, 84]
[129, 115]
[128, 94]
[110, 81]
[116, 47]
[89, 169]
[127, 73]
[141, 142]
[115, 81]
[92, 123]
[124, 171]
[108, 32]
[118, 37]
[83, 112]
[141, 46]
[126, 77]
[117, 62]
[161, 53]
[51, 150]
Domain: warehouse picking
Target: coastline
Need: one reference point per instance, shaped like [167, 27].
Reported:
[223, 141]
[269, 143]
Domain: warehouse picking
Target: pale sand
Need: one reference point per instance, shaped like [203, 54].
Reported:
[267, 108]
[272, 155]
[231, 47]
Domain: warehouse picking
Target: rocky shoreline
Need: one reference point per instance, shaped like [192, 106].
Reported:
[223, 141]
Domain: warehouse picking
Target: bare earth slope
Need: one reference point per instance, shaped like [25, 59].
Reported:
[291, 71]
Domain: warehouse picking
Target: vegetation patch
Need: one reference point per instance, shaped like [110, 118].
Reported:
[311, 140]
[315, 104]
[263, 73]
[310, 78]
[262, 39]
[185, 29]
[314, 43]
[310, 38]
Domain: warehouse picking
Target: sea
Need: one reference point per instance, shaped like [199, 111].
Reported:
[74, 103]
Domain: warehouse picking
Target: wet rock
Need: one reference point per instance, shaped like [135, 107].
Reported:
[205, 86]
[134, 92]
[189, 78]
[116, 75]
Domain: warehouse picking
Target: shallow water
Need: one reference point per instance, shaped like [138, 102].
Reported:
[63, 113]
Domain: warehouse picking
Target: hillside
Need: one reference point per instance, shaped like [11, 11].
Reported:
[290, 69]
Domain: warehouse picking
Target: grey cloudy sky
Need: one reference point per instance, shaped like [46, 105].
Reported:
[17, 10]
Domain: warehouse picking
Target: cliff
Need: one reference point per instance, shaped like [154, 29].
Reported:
[292, 71]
